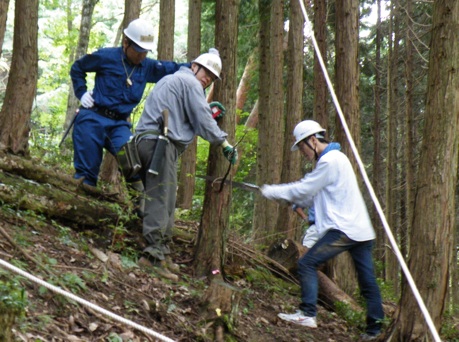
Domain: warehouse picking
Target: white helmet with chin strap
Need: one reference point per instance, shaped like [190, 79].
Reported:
[211, 61]
[140, 32]
[305, 129]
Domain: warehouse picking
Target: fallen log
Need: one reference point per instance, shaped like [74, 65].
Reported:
[287, 252]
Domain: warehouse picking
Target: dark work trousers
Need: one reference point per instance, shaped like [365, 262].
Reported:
[160, 193]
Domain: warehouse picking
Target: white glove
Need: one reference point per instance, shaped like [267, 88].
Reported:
[86, 100]
[268, 191]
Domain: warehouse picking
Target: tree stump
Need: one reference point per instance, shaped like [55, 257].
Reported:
[287, 252]
[221, 305]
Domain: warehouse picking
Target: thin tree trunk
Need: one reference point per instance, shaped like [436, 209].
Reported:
[288, 221]
[432, 237]
[377, 128]
[3, 17]
[320, 86]
[244, 84]
[391, 264]
[81, 49]
[166, 29]
[186, 180]
[22, 81]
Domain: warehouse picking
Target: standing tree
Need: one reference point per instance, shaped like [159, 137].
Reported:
[347, 91]
[22, 81]
[271, 115]
[391, 265]
[186, 178]
[291, 167]
[82, 48]
[432, 236]
[209, 254]
[166, 29]
[320, 86]
[3, 16]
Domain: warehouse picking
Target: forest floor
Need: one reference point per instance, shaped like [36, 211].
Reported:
[101, 268]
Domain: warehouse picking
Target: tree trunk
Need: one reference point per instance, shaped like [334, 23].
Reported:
[271, 114]
[377, 160]
[320, 86]
[109, 168]
[166, 30]
[186, 179]
[340, 269]
[390, 262]
[210, 248]
[22, 81]
[244, 84]
[81, 49]
[3, 17]
[288, 222]
[432, 236]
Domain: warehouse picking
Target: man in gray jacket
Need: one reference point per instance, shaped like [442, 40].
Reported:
[189, 115]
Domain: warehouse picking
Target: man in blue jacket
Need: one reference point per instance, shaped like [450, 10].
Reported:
[121, 74]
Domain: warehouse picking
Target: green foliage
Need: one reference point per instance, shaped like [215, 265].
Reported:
[13, 298]
[450, 325]
[354, 318]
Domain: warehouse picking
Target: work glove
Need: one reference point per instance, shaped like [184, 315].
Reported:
[218, 110]
[86, 100]
[229, 152]
[268, 191]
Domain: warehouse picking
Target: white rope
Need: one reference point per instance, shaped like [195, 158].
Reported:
[368, 184]
[84, 302]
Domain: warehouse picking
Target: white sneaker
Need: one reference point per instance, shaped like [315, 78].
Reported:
[299, 318]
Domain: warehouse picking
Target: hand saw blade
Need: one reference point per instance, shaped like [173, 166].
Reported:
[241, 185]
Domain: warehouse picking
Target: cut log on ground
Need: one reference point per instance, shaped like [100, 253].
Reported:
[287, 252]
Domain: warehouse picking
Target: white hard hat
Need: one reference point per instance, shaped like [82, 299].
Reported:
[141, 33]
[305, 129]
[211, 61]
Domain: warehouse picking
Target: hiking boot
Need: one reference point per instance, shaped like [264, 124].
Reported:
[369, 337]
[157, 266]
[171, 265]
[299, 318]
[155, 252]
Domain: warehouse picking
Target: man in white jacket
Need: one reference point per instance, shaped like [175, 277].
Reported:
[341, 220]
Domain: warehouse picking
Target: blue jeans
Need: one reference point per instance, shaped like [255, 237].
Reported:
[331, 244]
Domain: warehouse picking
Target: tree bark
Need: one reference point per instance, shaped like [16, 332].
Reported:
[377, 128]
[320, 86]
[289, 222]
[210, 248]
[166, 30]
[81, 49]
[22, 81]
[432, 236]
[186, 179]
[391, 264]
[271, 116]
[341, 269]
[3, 17]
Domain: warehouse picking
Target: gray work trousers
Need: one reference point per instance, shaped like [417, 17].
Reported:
[160, 193]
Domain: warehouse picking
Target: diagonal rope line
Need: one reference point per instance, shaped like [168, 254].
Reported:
[84, 302]
[392, 240]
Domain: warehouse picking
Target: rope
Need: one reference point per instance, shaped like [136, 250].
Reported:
[84, 302]
[398, 254]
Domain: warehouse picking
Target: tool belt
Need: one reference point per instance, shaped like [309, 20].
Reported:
[109, 114]
[128, 155]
